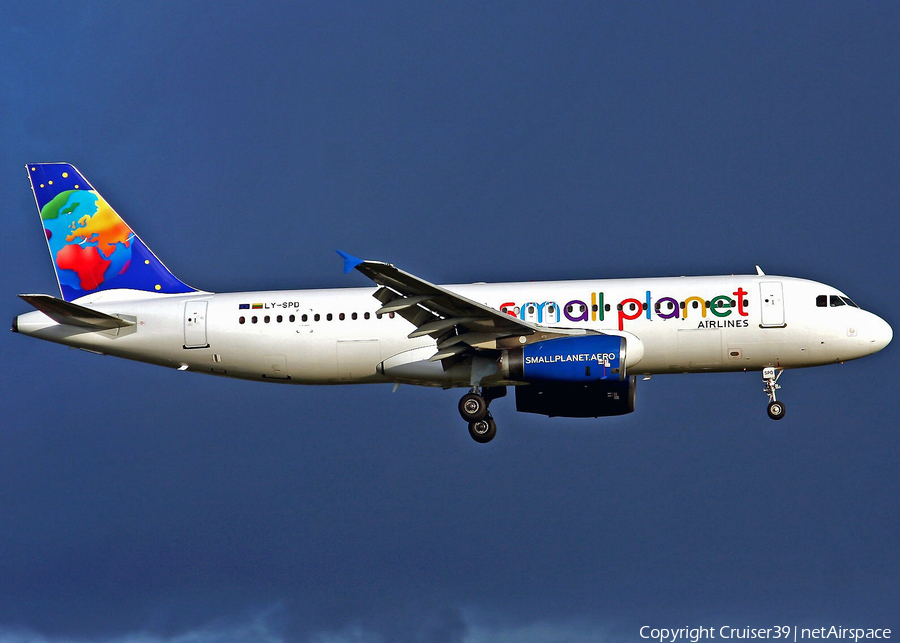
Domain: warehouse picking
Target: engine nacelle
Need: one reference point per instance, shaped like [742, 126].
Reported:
[589, 358]
[595, 399]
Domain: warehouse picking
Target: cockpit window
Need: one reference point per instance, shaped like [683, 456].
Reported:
[834, 301]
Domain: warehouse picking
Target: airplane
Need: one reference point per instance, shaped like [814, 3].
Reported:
[569, 348]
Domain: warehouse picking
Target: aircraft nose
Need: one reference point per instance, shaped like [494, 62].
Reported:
[880, 335]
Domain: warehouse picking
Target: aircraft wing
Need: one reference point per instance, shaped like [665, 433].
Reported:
[458, 323]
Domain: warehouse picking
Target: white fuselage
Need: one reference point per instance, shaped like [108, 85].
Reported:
[672, 325]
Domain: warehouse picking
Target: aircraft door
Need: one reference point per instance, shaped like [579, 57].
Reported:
[771, 301]
[195, 324]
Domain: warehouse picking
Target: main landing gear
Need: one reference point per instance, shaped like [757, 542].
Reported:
[473, 408]
[770, 384]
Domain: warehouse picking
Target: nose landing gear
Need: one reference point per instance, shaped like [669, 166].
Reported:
[473, 408]
[770, 385]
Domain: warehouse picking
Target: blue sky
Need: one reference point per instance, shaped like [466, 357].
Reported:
[462, 142]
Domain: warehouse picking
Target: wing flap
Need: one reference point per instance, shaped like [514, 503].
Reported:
[458, 324]
[443, 303]
[402, 303]
[440, 326]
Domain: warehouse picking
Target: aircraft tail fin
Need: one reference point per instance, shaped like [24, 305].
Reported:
[91, 246]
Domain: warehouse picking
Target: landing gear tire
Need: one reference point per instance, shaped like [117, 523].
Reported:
[770, 385]
[776, 410]
[472, 408]
[484, 430]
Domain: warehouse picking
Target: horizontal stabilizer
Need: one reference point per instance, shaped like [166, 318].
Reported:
[65, 312]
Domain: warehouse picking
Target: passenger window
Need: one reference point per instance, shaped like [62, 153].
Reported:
[341, 317]
[317, 317]
[267, 319]
[241, 320]
[292, 319]
[836, 301]
[279, 319]
[595, 307]
[329, 316]
[367, 315]
[253, 319]
[353, 316]
[304, 317]
[531, 310]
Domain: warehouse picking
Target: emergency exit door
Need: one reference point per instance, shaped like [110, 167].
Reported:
[771, 301]
[195, 324]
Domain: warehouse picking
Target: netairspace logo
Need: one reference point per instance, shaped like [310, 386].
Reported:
[783, 632]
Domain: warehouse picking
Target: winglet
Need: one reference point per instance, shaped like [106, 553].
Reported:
[350, 262]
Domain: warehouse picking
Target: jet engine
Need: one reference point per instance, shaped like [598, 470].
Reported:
[586, 400]
[589, 358]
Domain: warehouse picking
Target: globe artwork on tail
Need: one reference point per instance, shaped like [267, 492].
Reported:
[92, 247]
[89, 242]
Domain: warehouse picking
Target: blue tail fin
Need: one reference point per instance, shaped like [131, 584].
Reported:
[91, 246]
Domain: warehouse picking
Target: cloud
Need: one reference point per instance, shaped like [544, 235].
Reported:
[441, 625]
[260, 628]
